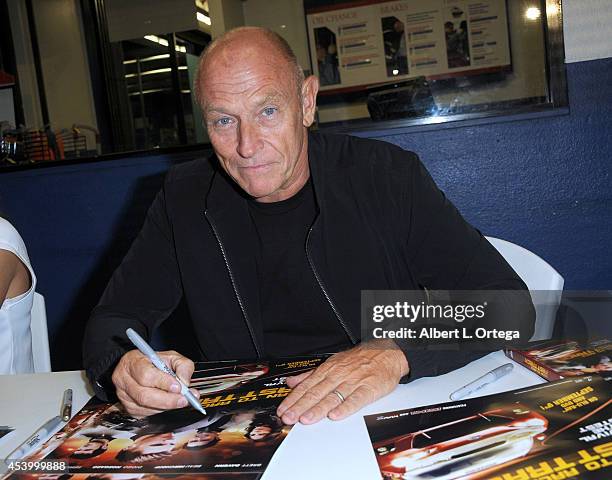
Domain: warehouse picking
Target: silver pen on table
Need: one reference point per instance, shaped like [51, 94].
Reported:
[146, 350]
[67, 405]
[38, 437]
[480, 382]
[44, 432]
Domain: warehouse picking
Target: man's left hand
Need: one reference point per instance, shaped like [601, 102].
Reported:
[344, 383]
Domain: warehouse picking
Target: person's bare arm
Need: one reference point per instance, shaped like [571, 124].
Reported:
[145, 390]
[14, 276]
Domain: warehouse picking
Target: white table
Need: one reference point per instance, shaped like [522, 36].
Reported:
[326, 450]
[28, 401]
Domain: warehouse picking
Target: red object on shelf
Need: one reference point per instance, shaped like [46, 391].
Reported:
[6, 79]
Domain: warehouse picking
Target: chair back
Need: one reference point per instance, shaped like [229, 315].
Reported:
[544, 282]
[40, 336]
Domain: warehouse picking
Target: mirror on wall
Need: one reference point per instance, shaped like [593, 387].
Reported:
[384, 64]
[109, 76]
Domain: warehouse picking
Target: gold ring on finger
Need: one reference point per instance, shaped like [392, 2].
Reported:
[339, 395]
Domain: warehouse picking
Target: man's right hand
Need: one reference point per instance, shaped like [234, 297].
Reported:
[145, 390]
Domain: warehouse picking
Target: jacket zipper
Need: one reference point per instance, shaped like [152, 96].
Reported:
[327, 297]
[231, 275]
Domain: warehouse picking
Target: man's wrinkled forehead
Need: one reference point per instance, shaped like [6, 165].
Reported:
[232, 52]
[233, 55]
[253, 101]
[253, 82]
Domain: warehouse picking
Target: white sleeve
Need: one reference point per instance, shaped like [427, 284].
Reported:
[11, 240]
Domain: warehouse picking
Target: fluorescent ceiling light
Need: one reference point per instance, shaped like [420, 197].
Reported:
[148, 59]
[164, 42]
[203, 18]
[155, 90]
[153, 72]
[156, 39]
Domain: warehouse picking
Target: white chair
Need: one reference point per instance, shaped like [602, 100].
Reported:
[544, 283]
[40, 335]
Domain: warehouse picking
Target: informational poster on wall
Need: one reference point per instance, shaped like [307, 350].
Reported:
[387, 41]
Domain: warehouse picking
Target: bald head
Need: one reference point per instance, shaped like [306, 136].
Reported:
[257, 107]
[256, 41]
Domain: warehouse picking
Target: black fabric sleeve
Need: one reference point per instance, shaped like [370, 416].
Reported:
[141, 294]
[446, 253]
[427, 363]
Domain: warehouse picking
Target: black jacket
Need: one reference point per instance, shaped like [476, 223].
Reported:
[382, 225]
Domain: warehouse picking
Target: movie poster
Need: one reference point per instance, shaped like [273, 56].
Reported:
[136, 476]
[388, 41]
[551, 431]
[554, 359]
[234, 440]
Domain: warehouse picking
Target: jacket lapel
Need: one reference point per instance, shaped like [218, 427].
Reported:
[227, 211]
[319, 244]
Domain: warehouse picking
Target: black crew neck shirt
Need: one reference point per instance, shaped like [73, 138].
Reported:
[296, 317]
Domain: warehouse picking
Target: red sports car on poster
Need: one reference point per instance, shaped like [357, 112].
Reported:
[447, 452]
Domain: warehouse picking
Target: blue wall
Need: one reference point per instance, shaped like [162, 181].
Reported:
[543, 183]
[78, 222]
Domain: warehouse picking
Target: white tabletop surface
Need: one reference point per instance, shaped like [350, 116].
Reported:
[326, 450]
[28, 401]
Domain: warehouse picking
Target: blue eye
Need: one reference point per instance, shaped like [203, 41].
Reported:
[269, 111]
[223, 121]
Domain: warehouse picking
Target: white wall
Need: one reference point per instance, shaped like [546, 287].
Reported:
[285, 17]
[28, 86]
[137, 18]
[225, 15]
[587, 26]
[64, 63]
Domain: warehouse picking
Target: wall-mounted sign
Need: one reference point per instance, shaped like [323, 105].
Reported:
[375, 42]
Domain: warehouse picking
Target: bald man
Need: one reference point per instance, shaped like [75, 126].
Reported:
[272, 239]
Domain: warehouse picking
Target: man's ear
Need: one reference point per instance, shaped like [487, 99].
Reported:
[310, 88]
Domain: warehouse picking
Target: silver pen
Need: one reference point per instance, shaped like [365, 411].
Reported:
[480, 382]
[37, 438]
[67, 405]
[146, 350]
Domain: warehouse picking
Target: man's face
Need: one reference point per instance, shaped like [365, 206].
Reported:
[259, 433]
[202, 438]
[256, 119]
[160, 443]
[91, 446]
